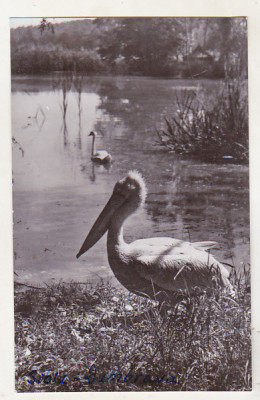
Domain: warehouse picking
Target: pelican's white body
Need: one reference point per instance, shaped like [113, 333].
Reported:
[161, 267]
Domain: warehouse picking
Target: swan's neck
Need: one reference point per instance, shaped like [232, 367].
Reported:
[93, 150]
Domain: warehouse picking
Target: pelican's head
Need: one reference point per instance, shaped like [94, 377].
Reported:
[132, 188]
[129, 193]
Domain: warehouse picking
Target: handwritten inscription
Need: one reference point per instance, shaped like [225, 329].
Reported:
[93, 376]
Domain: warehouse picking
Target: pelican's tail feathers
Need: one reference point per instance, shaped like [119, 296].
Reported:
[204, 245]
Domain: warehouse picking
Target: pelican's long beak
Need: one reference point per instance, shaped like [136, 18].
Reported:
[102, 223]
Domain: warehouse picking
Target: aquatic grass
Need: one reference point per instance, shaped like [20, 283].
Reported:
[83, 337]
[215, 130]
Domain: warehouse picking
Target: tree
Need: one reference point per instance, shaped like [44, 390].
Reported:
[147, 45]
[228, 36]
[45, 25]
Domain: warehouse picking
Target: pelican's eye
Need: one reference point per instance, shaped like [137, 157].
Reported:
[131, 186]
[125, 187]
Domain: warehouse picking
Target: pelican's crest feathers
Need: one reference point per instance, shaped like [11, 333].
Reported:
[137, 176]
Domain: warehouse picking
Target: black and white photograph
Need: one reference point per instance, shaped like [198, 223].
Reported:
[130, 196]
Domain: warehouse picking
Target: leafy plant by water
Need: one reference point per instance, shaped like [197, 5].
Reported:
[216, 130]
[72, 337]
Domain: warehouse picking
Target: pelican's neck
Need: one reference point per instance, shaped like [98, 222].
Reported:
[115, 230]
[93, 150]
[115, 233]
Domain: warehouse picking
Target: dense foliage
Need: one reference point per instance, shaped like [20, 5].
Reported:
[144, 46]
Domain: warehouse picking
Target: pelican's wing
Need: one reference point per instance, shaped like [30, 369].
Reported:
[159, 243]
[169, 246]
[175, 270]
[158, 246]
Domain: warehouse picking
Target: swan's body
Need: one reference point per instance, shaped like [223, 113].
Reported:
[101, 156]
[161, 268]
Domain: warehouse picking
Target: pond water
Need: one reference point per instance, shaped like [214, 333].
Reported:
[58, 192]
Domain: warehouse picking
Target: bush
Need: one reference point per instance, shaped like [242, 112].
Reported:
[210, 132]
[48, 59]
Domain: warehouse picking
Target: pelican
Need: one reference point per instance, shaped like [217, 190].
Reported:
[101, 156]
[160, 268]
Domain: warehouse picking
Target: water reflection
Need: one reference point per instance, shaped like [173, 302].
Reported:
[100, 168]
[203, 200]
[78, 82]
[63, 85]
[187, 200]
[37, 120]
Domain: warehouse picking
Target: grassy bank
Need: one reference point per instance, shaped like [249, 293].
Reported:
[85, 338]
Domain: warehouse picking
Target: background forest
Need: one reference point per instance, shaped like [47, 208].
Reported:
[176, 47]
